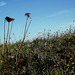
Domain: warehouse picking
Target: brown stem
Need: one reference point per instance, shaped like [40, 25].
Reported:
[6, 51]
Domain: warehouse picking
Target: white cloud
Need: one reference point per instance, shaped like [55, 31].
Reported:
[2, 3]
[59, 13]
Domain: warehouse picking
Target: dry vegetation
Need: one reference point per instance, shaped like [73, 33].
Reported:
[50, 55]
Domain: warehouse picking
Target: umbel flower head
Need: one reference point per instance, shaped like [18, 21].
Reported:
[28, 14]
[9, 19]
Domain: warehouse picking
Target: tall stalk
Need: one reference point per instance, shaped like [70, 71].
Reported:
[7, 32]
[5, 43]
[10, 32]
[4, 35]
[25, 30]
[6, 51]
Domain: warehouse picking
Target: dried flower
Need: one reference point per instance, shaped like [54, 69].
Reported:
[9, 19]
[27, 14]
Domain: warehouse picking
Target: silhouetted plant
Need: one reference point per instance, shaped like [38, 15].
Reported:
[8, 19]
[26, 28]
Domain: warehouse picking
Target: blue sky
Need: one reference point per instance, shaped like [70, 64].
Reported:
[45, 14]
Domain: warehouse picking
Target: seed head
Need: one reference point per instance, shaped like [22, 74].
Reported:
[28, 14]
[9, 19]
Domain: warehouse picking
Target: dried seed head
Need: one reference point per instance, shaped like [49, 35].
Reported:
[28, 14]
[9, 19]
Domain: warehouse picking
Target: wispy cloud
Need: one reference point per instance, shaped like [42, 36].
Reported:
[59, 13]
[2, 3]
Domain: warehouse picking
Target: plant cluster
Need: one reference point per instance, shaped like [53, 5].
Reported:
[43, 56]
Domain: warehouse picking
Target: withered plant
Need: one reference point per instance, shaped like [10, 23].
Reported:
[8, 19]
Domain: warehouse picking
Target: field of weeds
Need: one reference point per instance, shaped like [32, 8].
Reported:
[53, 55]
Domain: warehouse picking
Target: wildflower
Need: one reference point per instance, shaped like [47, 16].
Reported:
[9, 19]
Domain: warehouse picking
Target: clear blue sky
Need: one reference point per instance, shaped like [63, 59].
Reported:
[45, 14]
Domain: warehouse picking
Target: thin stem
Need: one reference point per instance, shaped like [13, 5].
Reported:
[23, 38]
[10, 31]
[25, 32]
[6, 53]
[25, 29]
[4, 35]
[7, 33]
[4, 42]
[6, 49]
